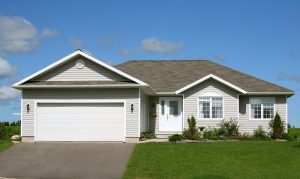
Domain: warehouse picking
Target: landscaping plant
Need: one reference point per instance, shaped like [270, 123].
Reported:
[229, 128]
[277, 127]
[175, 138]
[148, 135]
[192, 132]
[259, 133]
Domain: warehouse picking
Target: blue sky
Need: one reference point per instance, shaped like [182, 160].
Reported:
[261, 38]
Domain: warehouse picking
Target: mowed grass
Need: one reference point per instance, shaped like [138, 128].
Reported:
[5, 141]
[5, 144]
[226, 159]
[294, 132]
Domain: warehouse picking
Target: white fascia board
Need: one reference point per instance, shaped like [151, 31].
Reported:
[213, 77]
[78, 86]
[78, 52]
[271, 93]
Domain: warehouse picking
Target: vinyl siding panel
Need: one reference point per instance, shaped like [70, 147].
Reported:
[144, 112]
[90, 72]
[247, 125]
[130, 95]
[191, 102]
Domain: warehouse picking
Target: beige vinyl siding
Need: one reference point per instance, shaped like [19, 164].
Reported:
[191, 102]
[130, 95]
[144, 112]
[248, 125]
[90, 72]
[154, 121]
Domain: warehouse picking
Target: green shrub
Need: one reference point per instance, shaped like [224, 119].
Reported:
[277, 127]
[175, 138]
[2, 131]
[192, 133]
[148, 135]
[10, 131]
[288, 137]
[259, 133]
[228, 128]
[211, 133]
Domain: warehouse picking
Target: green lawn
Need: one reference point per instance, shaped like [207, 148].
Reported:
[235, 159]
[5, 144]
[5, 141]
[294, 131]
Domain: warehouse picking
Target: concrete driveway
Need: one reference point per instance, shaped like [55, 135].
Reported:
[65, 160]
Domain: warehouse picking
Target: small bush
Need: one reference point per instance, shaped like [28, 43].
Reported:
[175, 138]
[2, 131]
[288, 137]
[211, 133]
[259, 133]
[192, 133]
[277, 127]
[229, 128]
[148, 135]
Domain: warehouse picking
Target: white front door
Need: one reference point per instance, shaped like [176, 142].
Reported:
[170, 114]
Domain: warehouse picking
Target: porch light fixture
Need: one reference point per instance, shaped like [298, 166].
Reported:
[131, 107]
[27, 108]
[153, 105]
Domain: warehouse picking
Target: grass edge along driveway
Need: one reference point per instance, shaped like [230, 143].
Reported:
[5, 144]
[225, 159]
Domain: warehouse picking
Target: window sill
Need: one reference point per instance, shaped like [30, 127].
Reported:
[264, 119]
[210, 119]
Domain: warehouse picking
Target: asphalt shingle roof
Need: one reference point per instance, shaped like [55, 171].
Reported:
[171, 75]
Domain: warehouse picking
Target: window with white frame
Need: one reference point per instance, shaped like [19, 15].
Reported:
[262, 107]
[211, 107]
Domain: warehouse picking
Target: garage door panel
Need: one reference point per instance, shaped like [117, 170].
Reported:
[80, 122]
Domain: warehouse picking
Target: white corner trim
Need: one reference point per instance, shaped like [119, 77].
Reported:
[139, 112]
[206, 78]
[78, 52]
[21, 115]
[286, 114]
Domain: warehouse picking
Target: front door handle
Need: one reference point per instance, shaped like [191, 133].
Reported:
[167, 117]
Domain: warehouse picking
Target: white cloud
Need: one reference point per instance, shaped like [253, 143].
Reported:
[8, 94]
[46, 32]
[125, 52]
[17, 35]
[6, 69]
[78, 44]
[154, 45]
[288, 77]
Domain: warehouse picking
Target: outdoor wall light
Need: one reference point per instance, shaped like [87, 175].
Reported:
[27, 108]
[131, 107]
[153, 105]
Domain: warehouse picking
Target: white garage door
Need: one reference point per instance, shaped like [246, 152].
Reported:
[80, 122]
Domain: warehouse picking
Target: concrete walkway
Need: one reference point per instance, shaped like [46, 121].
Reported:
[65, 160]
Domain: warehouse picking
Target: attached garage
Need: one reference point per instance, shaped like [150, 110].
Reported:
[84, 121]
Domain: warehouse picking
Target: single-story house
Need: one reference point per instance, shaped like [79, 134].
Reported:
[80, 98]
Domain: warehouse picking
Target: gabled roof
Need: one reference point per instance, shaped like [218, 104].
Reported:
[175, 76]
[68, 57]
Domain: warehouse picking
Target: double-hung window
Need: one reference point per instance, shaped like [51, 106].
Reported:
[210, 107]
[262, 107]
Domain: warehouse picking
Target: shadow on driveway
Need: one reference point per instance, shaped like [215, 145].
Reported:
[65, 160]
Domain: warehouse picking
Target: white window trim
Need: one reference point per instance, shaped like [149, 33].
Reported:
[262, 109]
[210, 110]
